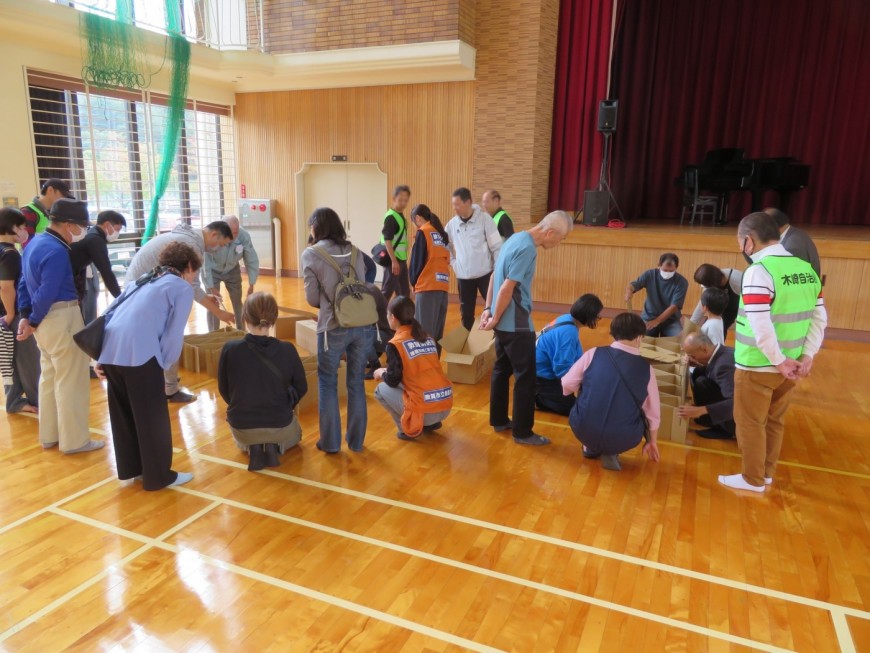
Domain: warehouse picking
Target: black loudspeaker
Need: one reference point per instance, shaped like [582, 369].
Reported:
[596, 208]
[607, 110]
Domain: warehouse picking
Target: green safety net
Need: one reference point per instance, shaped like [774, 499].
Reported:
[115, 57]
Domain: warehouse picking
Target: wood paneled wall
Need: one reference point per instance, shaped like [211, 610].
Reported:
[420, 135]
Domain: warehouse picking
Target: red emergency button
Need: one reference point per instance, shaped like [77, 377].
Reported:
[263, 207]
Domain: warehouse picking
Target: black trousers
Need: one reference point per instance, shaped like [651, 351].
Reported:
[706, 392]
[141, 431]
[468, 291]
[400, 284]
[514, 355]
[548, 396]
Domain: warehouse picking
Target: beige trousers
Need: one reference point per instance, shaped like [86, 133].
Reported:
[64, 386]
[760, 402]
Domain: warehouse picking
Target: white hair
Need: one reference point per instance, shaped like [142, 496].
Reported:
[558, 221]
[229, 219]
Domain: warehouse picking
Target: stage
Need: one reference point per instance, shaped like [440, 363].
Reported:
[602, 261]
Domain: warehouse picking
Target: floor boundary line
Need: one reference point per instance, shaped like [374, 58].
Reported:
[844, 633]
[316, 595]
[96, 578]
[60, 502]
[691, 447]
[549, 539]
[490, 573]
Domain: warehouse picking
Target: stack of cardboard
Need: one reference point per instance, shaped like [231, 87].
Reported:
[469, 354]
[285, 327]
[201, 353]
[672, 376]
[306, 335]
[310, 401]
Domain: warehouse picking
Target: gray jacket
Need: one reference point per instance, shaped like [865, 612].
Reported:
[798, 243]
[321, 279]
[148, 256]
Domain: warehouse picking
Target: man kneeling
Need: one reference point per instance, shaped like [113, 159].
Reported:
[712, 387]
[413, 389]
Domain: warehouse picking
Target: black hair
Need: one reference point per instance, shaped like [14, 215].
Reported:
[715, 300]
[587, 309]
[57, 184]
[627, 326]
[402, 308]
[326, 225]
[401, 188]
[220, 227]
[426, 213]
[112, 216]
[669, 256]
[10, 217]
[761, 226]
[709, 276]
[780, 217]
[463, 194]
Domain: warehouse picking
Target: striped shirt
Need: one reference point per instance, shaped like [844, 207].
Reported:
[759, 292]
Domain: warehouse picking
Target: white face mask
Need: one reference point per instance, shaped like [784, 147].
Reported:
[667, 275]
[23, 235]
[112, 237]
[76, 237]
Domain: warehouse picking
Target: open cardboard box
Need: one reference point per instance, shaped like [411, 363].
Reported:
[201, 352]
[469, 354]
[285, 327]
[673, 427]
[311, 400]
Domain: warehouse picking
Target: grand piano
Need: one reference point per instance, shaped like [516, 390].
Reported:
[727, 170]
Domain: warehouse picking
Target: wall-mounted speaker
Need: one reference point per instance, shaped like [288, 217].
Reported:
[607, 110]
[596, 208]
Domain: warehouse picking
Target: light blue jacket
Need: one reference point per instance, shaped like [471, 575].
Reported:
[228, 257]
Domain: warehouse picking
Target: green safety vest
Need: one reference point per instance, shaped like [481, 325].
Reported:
[400, 241]
[796, 291]
[42, 222]
[498, 216]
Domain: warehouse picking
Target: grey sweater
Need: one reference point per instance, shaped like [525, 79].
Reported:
[321, 279]
[148, 256]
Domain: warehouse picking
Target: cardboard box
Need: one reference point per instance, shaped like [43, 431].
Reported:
[285, 327]
[310, 402]
[306, 335]
[469, 354]
[672, 427]
[201, 352]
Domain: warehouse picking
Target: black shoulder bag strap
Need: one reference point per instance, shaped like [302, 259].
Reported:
[552, 327]
[146, 278]
[637, 403]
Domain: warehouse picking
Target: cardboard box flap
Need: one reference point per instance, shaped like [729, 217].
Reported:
[305, 315]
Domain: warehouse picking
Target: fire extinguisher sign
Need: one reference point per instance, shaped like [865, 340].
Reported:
[244, 191]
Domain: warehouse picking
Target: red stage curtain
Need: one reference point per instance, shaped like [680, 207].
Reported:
[775, 77]
[581, 81]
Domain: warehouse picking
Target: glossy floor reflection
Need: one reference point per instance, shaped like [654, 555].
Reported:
[460, 541]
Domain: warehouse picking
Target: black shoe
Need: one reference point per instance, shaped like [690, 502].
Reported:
[715, 434]
[704, 420]
[180, 397]
[503, 427]
[591, 455]
[271, 451]
[257, 458]
[432, 427]
[534, 440]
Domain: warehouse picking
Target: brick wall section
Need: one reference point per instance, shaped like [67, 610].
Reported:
[308, 25]
[515, 71]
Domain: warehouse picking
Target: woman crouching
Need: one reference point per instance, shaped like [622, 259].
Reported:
[413, 389]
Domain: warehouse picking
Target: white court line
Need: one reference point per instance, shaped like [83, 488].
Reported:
[576, 546]
[482, 571]
[93, 580]
[241, 571]
[844, 635]
[47, 508]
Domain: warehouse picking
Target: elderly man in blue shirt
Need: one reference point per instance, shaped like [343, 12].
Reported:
[48, 303]
[223, 265]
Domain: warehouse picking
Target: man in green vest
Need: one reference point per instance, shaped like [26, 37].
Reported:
[36, 213]
[492, 205]
[780, 327]
[394, 236]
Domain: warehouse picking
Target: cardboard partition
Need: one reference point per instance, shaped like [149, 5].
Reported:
[310, 402]
[201, 352]
[306, 335]
[673, 427]
[285, 327]
[659, 355]
[469, 355]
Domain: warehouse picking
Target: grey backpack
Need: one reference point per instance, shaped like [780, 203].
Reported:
[353, 304]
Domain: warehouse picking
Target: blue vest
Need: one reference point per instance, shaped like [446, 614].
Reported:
[605, 417]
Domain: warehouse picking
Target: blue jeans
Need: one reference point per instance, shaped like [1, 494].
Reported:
[356, 343]
[668, 329]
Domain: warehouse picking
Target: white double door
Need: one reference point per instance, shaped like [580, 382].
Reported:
[356, 191]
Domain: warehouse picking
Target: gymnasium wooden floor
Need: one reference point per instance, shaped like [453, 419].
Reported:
[463, 541]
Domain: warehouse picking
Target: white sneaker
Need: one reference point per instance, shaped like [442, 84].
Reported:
[736, 482]
[768, 480]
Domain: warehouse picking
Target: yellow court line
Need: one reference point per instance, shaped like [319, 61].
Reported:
[241, 571]
[548, 539]
[680, 445]
[483, 571]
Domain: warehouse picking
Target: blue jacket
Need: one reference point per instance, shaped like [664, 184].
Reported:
[46, 276]
[557, 349]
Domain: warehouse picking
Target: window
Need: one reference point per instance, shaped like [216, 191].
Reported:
[109, 145]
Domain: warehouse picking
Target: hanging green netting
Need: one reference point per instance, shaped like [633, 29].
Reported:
[115, 57]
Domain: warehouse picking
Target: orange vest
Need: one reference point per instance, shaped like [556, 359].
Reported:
[434, 275]
[427, 389]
